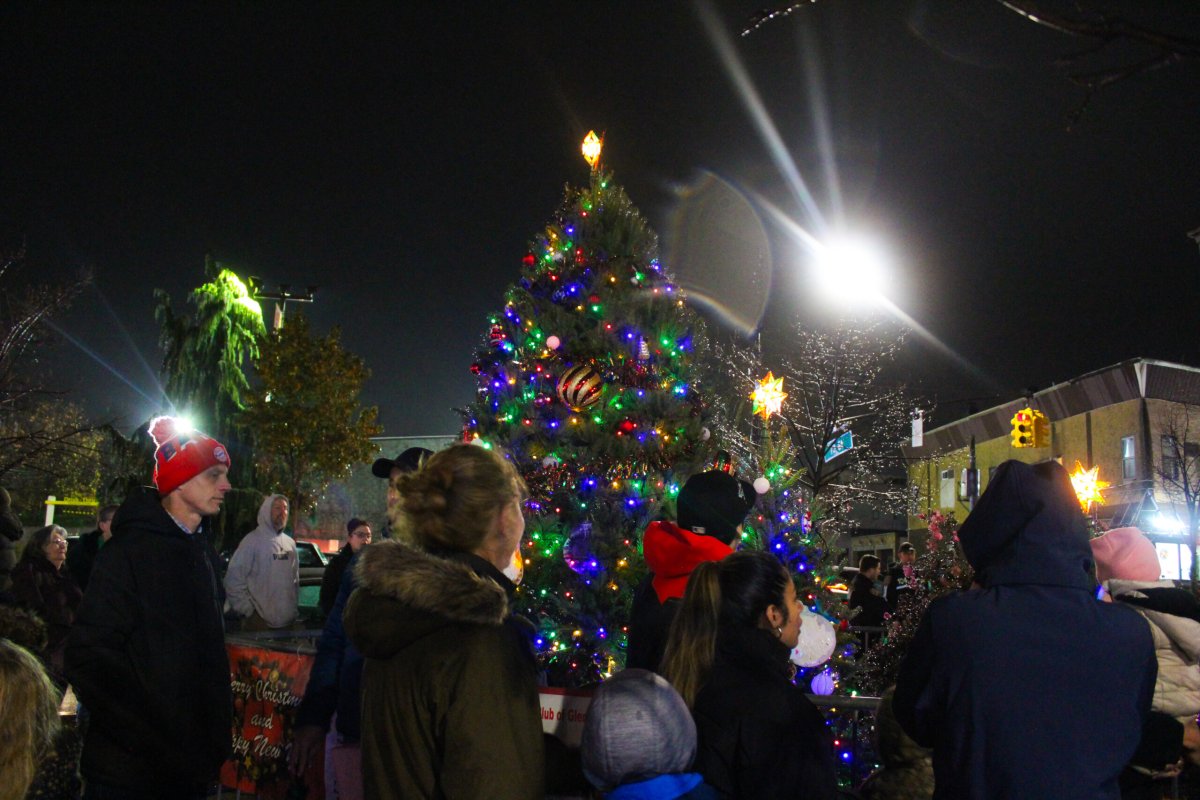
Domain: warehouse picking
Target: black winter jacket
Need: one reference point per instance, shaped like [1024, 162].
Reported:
[10, 533]
[1029, 687]
[147, 655]
[759, 737]
[81, 557]
[331, 581]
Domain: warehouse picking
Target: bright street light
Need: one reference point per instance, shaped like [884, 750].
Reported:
[850, 271]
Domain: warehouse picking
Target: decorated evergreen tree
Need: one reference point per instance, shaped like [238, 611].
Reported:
[783, 520]
[587, 380]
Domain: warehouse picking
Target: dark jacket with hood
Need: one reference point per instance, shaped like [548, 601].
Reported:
[450, 701]
[147, 655]
[1030, 687]
[671, 554]
[758, 735]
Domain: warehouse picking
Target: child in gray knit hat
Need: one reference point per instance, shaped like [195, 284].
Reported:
[639, 741]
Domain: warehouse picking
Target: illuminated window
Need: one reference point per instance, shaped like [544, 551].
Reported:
[1128, 458]
[947, 494]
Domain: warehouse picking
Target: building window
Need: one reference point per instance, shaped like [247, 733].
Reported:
[1170, 458]
[1128, 458]
[948, 489]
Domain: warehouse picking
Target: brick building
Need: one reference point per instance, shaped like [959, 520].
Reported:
[1131, 420]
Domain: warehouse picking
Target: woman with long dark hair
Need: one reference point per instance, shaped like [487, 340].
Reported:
[42, 585]
[728, 656]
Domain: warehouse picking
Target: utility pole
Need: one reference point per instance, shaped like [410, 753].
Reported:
[282, 296]
[972, 478]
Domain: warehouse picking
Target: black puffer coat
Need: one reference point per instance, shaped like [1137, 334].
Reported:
[147, 655]
[1030, 687]
[759, 737]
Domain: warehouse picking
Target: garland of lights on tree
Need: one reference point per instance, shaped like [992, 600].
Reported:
[586, 381]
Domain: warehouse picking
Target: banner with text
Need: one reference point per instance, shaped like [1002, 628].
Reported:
[564, 712]
[267, 688]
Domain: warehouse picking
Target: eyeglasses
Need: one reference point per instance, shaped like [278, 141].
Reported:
[59, 542]
[360, 535]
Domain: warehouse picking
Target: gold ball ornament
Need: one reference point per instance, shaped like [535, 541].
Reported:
[580, 387]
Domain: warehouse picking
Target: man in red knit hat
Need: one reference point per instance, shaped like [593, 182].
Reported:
[147, 652]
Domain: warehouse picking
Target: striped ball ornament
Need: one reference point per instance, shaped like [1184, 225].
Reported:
[580, 387]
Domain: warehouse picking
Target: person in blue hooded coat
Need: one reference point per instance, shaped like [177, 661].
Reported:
[1027, 687]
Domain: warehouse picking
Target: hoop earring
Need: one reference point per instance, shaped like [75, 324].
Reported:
[779, 632]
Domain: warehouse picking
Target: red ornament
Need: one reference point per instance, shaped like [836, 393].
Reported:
[476, 368]
[627, 426]
[496, 334]
[595, 298]
[529, 260]
[844, 625]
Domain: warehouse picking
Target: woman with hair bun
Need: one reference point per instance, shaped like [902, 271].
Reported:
[450, 701]
[728, 656]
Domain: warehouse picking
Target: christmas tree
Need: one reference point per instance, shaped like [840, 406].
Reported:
[783, 521]
[587, 380]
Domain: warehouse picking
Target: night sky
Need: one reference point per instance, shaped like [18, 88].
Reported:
[400, 158]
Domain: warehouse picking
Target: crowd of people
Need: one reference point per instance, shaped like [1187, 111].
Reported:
[426, 684]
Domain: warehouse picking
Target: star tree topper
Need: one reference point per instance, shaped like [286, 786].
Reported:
[592, 145]
[768, 396]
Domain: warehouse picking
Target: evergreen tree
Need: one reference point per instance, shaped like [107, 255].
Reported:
[783, 521]
[206, 355]
[587, 379]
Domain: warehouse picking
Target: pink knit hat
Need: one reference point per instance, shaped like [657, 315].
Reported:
[1125, 554]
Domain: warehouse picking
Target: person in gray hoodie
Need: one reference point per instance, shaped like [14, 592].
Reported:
[263, 580]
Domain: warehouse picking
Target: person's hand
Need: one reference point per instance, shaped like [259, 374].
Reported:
[307, 741]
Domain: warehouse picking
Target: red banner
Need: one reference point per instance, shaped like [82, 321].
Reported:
[267, 688]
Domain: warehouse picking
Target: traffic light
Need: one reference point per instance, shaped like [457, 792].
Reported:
[1022, 428]
[1041, 430]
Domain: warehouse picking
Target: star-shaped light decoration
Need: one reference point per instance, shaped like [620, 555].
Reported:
[768, 396]
[1087, 485]
[592, 145]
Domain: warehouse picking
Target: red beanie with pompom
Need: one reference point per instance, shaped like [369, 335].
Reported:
[181, 454]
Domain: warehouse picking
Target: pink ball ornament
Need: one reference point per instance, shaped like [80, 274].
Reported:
[553, 342]
[762, 485]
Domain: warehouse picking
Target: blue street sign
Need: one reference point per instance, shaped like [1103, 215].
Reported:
[839, 445]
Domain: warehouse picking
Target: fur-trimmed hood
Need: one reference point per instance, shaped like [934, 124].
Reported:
[406, 594]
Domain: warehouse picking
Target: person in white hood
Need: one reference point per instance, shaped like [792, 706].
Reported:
[263, 580]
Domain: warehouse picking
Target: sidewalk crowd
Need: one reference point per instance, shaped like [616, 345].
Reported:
[1068, 670]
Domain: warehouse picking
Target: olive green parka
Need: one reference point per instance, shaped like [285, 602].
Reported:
[450, 701]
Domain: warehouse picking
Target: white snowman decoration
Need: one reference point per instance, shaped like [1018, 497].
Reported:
[817, 640]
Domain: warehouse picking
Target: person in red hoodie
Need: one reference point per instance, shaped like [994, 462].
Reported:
[711, 509]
